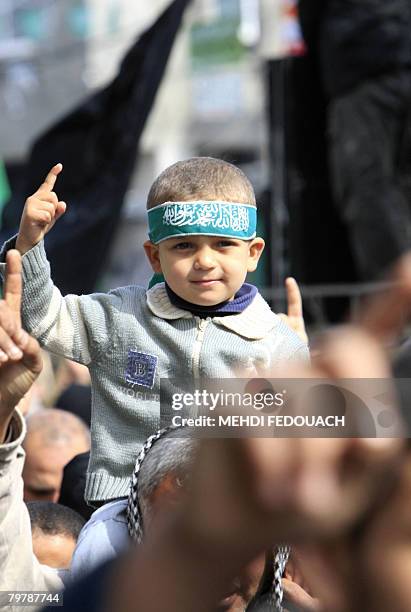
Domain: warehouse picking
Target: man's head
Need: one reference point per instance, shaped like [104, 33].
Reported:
[162, 482]
[205, 269]
[53, 438]
[162, 474]
[55, 530]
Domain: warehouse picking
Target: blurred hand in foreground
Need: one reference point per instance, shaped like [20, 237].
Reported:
[20, 359]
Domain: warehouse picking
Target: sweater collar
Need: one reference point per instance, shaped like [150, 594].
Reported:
[254, 323]
[242, 299]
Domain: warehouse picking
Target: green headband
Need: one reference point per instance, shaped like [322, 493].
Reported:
[226, 219]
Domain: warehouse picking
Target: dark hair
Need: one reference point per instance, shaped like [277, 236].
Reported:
[54, 519]
[73, 485]
[201, 178]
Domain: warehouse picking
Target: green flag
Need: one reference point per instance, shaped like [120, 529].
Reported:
[5, 192]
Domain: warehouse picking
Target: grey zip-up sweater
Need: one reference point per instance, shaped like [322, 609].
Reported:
[130, 338]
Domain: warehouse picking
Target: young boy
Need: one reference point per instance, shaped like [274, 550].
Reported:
[203, 321]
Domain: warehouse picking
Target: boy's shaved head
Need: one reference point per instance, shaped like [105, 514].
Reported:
[201, 178]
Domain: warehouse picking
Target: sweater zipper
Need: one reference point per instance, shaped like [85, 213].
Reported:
[202, 324]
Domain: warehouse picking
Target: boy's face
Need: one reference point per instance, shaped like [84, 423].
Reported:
[205, 270]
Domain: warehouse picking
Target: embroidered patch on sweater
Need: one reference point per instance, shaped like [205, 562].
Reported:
[141, 368]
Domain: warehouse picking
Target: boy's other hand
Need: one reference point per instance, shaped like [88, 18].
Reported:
[20, 359]
[294, 317]
[40, 213]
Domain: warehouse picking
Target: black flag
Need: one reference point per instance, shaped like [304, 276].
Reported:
[97, 144]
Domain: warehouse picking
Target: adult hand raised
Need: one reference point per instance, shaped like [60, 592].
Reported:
[293, 487]
[20, 359]
[40, 213]
[294, 317]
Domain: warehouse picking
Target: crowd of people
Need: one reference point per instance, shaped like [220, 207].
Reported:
[118, 509]
[299, 523]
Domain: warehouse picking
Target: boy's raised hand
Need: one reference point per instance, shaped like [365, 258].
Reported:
[294, 317]
[40, 213]
[20, 359]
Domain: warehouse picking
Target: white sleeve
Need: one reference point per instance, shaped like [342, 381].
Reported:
[19, 568]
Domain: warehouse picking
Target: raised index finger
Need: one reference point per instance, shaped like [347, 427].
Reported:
[294, 300]
[13, 281]
[51, 178]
